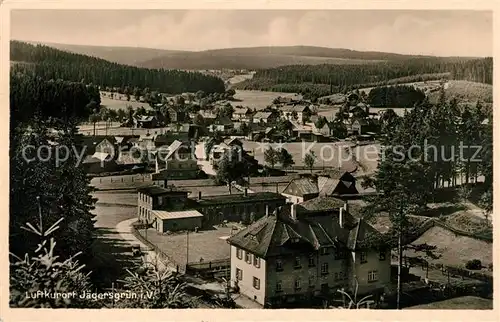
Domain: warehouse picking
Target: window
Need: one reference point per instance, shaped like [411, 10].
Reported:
[248, 257]
[160, 201]
[312, 261]
[336, 276]
[382, 256]
[339, 276]
[239, 274]
[256, 283]
[312, 281]
[239, 252]
[340, 254]
[256, 261]
[372, 276]
[298, 284]
[362, 257]
[279, 286]
[324, 251]
[279, 265]
[297, 262]
[324, 269]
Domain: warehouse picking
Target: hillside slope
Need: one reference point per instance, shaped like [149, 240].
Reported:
[121, 55]
[51, 63]
[270, 57]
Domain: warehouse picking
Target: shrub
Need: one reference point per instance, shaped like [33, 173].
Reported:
[474, 264]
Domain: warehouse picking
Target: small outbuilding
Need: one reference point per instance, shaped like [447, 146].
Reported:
[176, 220]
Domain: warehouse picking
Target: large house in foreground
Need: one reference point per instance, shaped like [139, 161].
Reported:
[296, 256]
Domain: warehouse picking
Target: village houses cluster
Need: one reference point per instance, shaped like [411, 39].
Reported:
[294, 242]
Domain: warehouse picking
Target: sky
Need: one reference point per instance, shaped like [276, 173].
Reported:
[440, 33]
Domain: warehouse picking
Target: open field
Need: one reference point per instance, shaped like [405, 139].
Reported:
[115, 104]
[207, 244]
[458, 303]
[466, 91]
[258, 99]
[124, 199]
[329, 154]
[454, 250]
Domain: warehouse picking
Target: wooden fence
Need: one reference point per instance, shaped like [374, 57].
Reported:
[446, 270]
[165, 259]
[212, 269]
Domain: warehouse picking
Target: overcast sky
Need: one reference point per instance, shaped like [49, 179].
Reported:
[443, 33]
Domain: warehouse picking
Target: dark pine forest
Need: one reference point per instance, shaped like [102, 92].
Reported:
[50, 63]
[321, 80]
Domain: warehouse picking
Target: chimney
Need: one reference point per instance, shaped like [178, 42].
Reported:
[293, 211]
[199, 195]
[246, 192]
[341, 216]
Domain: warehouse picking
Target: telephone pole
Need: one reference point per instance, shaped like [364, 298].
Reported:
[187, 248]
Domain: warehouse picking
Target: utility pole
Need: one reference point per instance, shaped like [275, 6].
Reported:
[113, 291]
[40, 215]
[187, 248]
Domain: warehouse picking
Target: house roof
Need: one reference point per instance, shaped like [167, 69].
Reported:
[232, 141]
[144, 118]
[119, 139]
[322, 185]
[207, 114]
[269, 130]
[102, 156]
[110, 139]
[360, 121]
[165, 215]
[173, 148]
[90, 159]
[321, 203]
[146, 137]
[327, 185]
[241, 110]
[154, 190]
[239, 198]
[305, 186]
[262, 115]
[224, 120]
[296, 108]
[274, 235]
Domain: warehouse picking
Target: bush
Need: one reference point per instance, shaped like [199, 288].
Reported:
[474, 264]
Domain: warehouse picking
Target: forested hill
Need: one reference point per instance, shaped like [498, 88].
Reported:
[50, 63]
[321, 80]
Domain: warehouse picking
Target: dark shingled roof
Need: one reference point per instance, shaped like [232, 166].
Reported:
[157, 190]
[320, 204]
[274, 235]
[305, 186]
[239, 198]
